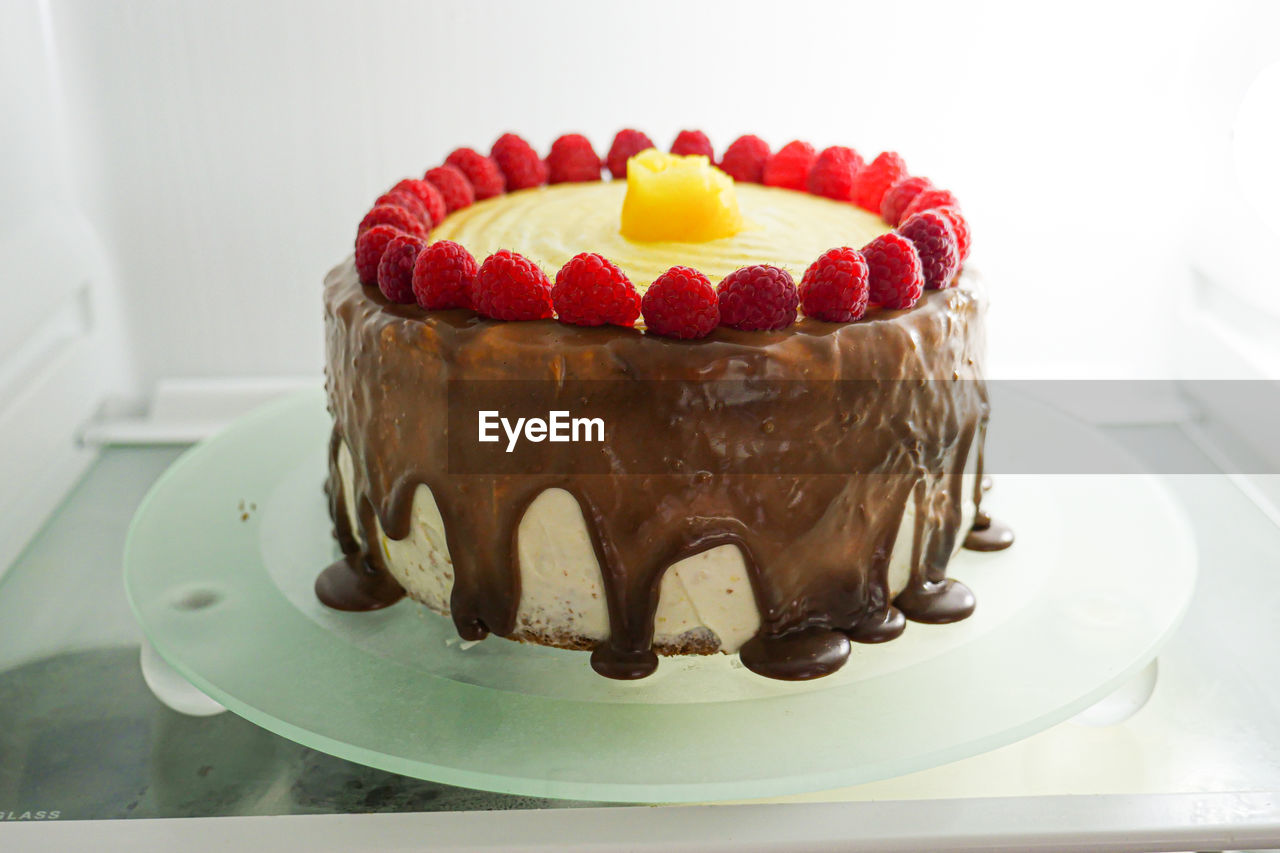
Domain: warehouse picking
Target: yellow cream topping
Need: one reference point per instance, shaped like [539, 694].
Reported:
[670, 197]
[552, 224]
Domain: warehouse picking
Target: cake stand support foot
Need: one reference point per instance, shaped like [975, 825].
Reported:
[172, 689]
[1124, 702]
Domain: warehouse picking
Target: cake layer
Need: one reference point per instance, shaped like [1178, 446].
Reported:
[823, 554]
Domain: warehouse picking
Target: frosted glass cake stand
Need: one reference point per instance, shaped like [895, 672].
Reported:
[222, 554]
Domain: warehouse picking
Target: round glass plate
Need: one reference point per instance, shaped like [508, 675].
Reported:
[222, 554]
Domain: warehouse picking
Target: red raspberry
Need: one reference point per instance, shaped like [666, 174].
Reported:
[443, 276]
[895, 279]
[520, 164]
[790, 166]
[427, 194]
[454, 187]
[832, 173]
[901, 194]
[409, 202]
[744, 159]
[960, 227]
[681, 303]
[935, 243]
[485, 177]
[591, 291]
[369, 248]
[872, 182]
[834, 288]
[395, 270]
[928, 200]
[759, 297]
[693, 142]
[572, 159]
[626, 145]
[509, 286]
[395, 216]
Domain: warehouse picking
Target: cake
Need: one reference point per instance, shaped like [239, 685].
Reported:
[777, 470]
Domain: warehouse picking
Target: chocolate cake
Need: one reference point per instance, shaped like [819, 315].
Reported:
[772, 491]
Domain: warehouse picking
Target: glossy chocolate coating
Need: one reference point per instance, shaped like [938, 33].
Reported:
[816, 545]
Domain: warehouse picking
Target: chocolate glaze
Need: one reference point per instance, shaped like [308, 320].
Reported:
[879, 627]
[357, 582]
[936, 602]
[988, 535]
[797, 655]
[816, 546]
[352, 584]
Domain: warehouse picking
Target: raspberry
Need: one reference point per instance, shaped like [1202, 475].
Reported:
[369, 248]
[960, 227]
[935, 243]
[454, 187]
[509, 286]
[626, 145]
[427, 194]
[693, 142]
[409, 202]
[744, 160]
[395, 270]
[681, 303]
[894, 277]
[484, 175]
[901, 194]
[928, 200]
[756, 298]
[443, 276]
[790, 166]
[834, 288]
[832, 173]
[572, 159]
[395, 216]
[591, 291]
[519, 163]
[873, 181]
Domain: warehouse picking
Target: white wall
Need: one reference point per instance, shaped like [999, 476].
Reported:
[225, 150]
[61, 346]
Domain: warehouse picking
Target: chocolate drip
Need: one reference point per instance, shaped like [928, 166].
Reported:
[632, 591]
[486, 587]
[356, 582]
[621, 663]
[817, 547]
[796, 656]
[351, 584]
[988, 535]
[931, 596]
[936, 602]
[338, 500]
[879, 628]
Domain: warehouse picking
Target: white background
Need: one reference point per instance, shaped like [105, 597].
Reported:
[177, 177]
[223, 151]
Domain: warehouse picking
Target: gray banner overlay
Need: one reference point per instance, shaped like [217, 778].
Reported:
[764, 427]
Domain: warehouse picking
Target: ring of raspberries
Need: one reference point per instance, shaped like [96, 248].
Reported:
[924, 251]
